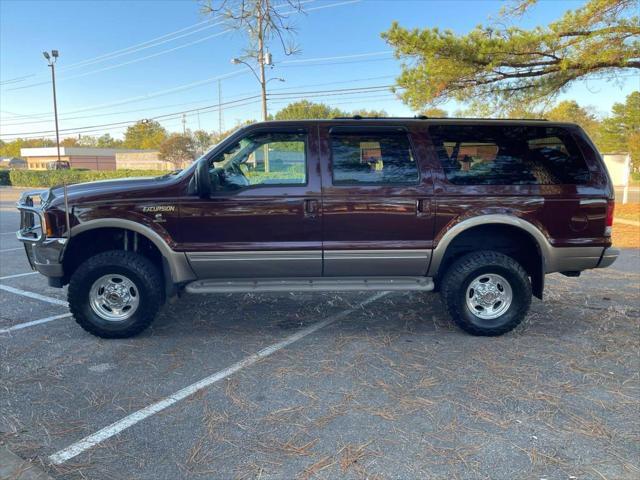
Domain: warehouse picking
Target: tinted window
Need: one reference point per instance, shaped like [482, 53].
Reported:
[518, 155]
[262, 159]
[372, 159]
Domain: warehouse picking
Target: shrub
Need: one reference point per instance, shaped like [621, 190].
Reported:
[4, 177]
[52, 178]
[635, 176]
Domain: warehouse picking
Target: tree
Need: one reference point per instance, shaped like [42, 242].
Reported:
[87, 141]
[304, 109]
[434, 112]
[12, 148]
[505, 65]
[202, 141]
[263, 21]
[145, 135]
[570, 111]
[106, 141]
[69, 142]
[621, 131]
[363, 112]
[178, 149]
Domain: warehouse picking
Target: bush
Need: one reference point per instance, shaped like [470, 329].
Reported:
[4, 177]
[635, 176]
[52, 178]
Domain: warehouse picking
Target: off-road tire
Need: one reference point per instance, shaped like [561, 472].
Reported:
[463, 271]
[135, 267]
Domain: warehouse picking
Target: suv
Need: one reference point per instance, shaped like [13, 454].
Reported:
[479, 210]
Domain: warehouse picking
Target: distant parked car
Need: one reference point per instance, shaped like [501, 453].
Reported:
[13, 162]
[61, 165]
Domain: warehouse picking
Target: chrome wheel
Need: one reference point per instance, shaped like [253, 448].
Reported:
[114, 297]
[489, 296]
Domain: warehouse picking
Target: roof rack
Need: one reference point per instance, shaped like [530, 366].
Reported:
[424, 117]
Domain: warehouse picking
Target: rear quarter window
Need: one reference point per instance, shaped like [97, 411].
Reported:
[508, 155]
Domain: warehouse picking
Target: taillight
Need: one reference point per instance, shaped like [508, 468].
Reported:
[609, 225]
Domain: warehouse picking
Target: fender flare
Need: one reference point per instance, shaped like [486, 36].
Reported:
[177, 261]
[546, 249]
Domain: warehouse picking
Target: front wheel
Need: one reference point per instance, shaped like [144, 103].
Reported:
[486, 293]
[115, 294]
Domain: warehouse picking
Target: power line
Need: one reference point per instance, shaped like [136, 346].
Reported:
[195, 102]
[162, 52]
[287, 95]
[173, 90]
[154, 42]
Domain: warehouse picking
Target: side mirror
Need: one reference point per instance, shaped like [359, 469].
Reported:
[203, 180]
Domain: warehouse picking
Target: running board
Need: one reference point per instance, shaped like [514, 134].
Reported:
[310, 284]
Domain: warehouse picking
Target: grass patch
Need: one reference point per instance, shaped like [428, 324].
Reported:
[53, 178]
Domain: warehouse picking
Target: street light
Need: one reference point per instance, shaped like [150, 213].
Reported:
[51, 60]
[263, 59]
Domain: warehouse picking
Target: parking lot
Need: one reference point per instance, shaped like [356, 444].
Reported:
[323, 385]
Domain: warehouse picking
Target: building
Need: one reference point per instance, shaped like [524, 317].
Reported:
[77, 157]
[143, 160]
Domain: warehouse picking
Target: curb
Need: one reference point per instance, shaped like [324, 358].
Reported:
[12, 467]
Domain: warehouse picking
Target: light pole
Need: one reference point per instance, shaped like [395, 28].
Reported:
[51, 60]
[263, 59]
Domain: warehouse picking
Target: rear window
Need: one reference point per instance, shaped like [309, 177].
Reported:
[512, 155]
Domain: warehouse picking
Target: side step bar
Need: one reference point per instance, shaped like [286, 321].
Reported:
[310, 284]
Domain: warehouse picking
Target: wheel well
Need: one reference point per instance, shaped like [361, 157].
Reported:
[507, 239]
[92, 242]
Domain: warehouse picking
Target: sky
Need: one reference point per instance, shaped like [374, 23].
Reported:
[122, 61]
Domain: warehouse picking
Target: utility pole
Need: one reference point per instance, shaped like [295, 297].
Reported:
[220, 122]
[184, 124]
[51, 60]
[261, 61]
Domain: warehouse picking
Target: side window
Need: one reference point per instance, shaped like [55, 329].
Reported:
[376, 158]
[262, 159]
[508, 155]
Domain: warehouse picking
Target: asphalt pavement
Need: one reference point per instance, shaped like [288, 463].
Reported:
[323, 385]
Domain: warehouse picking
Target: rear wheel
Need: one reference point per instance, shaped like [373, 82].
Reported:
[486, 293]
[115, 294]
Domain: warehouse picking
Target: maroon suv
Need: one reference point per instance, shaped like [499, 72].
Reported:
[479, 210]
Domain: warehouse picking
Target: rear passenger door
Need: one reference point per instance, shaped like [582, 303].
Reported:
[376, 201]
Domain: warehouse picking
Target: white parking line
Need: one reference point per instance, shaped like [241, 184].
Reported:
[17, 275]
[11, 249]
[135, 417]
[8, 233]
[20, 326]
[33, 295]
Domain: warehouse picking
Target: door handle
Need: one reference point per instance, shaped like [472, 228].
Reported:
[422, 207]
[311, 208]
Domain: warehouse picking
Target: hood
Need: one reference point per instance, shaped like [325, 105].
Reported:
[112, 189]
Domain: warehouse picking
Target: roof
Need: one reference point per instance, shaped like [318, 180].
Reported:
[73, 151]
[411, 121]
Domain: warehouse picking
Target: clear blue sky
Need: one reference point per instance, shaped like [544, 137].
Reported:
[129, 86]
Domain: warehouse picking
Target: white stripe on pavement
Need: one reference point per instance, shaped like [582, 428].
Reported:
[135, 417]
[20, 326]
[33, 295]
[8, 233]
[18, 275]
[11, 249]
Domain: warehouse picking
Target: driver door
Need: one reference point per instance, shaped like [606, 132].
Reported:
[263, 218]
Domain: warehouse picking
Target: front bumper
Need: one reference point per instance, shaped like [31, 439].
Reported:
[46, 257]
[608, 257]
[44, 254]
